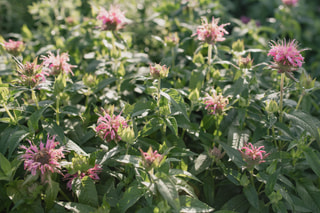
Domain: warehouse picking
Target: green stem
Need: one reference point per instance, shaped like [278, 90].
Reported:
[300, 99]
[34, 98]
[158, 98]
[58, 110]
[9, 113]
[281, 96]
[209, 54]
[173, 56]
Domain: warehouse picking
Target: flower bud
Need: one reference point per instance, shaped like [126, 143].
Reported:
[272, 106]
[159, 71]
[238, 46]
[126, 134]
[245, 63]
[306, 81]
[172, 39]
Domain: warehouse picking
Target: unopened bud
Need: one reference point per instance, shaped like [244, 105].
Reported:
[159, 71]
[272, 106]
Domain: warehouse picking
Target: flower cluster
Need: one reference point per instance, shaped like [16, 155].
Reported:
[215, 104]
[211, 33]
[14, 47]
[157, 71]
[92, 173]
[58, 64]
[108, 126]
[252, 155]
[44, 159]
[30, 74]
[290, 2]
[150, 158]
[113, 19]
[172, 39]
[286, 56]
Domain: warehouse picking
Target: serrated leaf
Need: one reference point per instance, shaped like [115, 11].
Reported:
[193, 205]
[85, 190]
[34, 119]
[76, 207]
[14, 140]
[51, 194]
[307, 122]
[233, 154]
[115, 150]
[131, 159]
[201, 163]
[130, 197]
[102, 84]
[178, 104]
[150, 127]
[251, 195]
[172, 124]
[168, 191]
[312, 157]
[5, 166]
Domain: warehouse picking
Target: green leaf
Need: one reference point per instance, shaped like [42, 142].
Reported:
[51, 194]
[307, 122]
[131, 159]
[182, 173]
[105, 82]
[313, 159]
[5, 167]
[201, 163]
[167, 189]
[233, 154]
[237, 203]
[310, 201]
[172, 124]
[85, 190]
[76, 207]
[130, 197]
[193, 205]
[14, 140]
[150, 127]
[34, 119]
[178, 104]
[115, 150]
[251, 195]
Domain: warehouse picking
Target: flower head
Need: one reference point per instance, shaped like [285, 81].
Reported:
[172, 39]
[286, 56]
[30, 74]
[215, 104]
[252, 155]
[211, 33]
[158, 71]
[150, 158]
[92, 173]
[44, 159]
[113, 19]
[290, 2]
[58, 64]
[108, 125]
[14, 47]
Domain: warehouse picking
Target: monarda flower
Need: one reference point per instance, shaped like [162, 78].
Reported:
[211, 33]
[14, 47]
[286, 56]
[290, 2]
[215, 104]
[151, 158]
[43, 160]
[172, 39]
[157, 71]
[57, 64]
[92, 173]
[108, 126]
[113, 19]
[30, 74]
[253, 156]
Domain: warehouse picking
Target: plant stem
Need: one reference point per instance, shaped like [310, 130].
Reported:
[58, 110]
[34, 98]
[173, 56]
[209, 54]
[9, 113]
[158, 99]
[300, 99]
[281, 96]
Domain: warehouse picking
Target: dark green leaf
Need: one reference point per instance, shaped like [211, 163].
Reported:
[130, 197]
[193, 205]
[85, 190]
[251, 195]
[312, 157]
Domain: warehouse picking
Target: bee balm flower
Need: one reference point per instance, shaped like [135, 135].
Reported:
[44, 159]
[150, 158]
[286, 56]
[113, 19]
[215, 104]
[108, 127]
[58, 64]
[252, 155]
[14, 47]
[211, 33]
[158, 71]
[290, 2]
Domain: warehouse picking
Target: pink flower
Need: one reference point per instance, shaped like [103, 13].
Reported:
[45, 159]
[14, 47]
[286, 56]
[30, 74]
[108, 126]
[92, 173]
[58, 64]
[158, 71]
[290, 2]
[252, 155]
[215, 104]
[211, 33]
[151, 158]
[113, 19]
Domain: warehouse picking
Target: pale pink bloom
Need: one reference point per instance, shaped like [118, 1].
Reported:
[211, 33]
[108, 126]
[215, 104]
[113, 19]
[286, 56]
[290, 2]
[151, 158]
[92, 173]
[253, 155]
[44, 159]
[30, 74]
[14, 47]
[158, 71]
[58, 64]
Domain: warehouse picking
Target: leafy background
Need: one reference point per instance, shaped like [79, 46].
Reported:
[113, 70]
